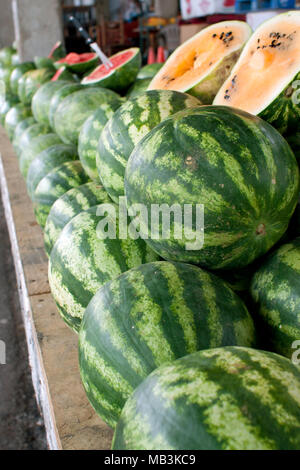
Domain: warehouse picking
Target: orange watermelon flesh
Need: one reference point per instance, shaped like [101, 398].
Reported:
[269, 62]
[201, 64]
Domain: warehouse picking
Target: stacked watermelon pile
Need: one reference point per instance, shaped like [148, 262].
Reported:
[185, 342]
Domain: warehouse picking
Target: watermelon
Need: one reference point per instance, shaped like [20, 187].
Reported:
[29, 134]
[57, 98]
[150, 315]
[235, 164]
[229, 398]
[15, 115]
[77, 107]
[71, 203]
[6, 54]
[275, 289]
[265, 79]
[5, 105]
[78, 63]
[81, 262]
[139, 87]
[36, 146]
[125, 129]
[5, 74]
[125, 68]
[17, 73]
[43, 62]
[58, 181]
[15, 59]
[90, 134]
[20, 128]
[149, 71]
[46, 161]
[41, 100]
[58, 51]
[30, 82]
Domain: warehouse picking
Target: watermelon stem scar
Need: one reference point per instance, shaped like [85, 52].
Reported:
[261, 229]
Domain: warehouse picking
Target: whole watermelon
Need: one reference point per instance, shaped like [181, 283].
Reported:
[275, 290]
[58, 181]
[139, 87]
[71, 203]
[148, 316]
[5, 74]
[20, 128]
[42, 98]
[30, 82]
[36, 146]
[57, 98]
[89, 136]
[29, 134]
[17, 73]
[132, 121]
[5, 105]
[81, 261]
[77, 107]
[15, 115]
[6, 54]
[229, 398]
[149, 70]
[46, 161]
[236, 165]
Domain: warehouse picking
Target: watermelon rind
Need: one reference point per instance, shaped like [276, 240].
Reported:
[34, 147]
[120, 78]
[138, 87]
[20, 128]
[6, 105]
[230, 398]
[58, 97]
[17, 74]
[41, 100]
[31, 81]
[151, 315]
[29, 134]
[15, 115]
[149, 71]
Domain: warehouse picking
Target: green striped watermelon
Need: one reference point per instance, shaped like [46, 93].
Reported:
[275, 290]
[5, 74]
[294, 142]
[43, 62]
[77, 107]
[235, 164]
[148, 316]
[57, 98]
[71, 203]
[6, 54]
[15, 115]
[230, 398]
[90, 134]
[36, 146]
[149, 70]
[58, 181]
[42, 98]
[30, 82]
[125, 129]
[46, 161]
[5, 106]
[29, 134]
[17, 73]
[81, 262]
[20, 128]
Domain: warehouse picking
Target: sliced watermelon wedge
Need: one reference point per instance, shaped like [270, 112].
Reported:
[78, 63]
[63, 74]
[126, 65]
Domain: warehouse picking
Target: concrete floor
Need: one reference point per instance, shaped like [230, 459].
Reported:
[21, 426]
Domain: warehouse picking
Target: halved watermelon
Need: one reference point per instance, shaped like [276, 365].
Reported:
[126, 65]
[265, 79]
[201, 64]
[78, 63]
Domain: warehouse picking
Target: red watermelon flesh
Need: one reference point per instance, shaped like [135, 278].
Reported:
[74, 58]
[117, 61]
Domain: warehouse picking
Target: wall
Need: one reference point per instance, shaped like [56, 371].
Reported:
[7, 35]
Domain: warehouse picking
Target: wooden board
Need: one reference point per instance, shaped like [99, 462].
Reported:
[70, 421]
